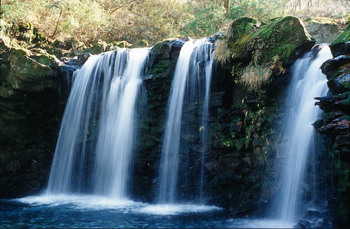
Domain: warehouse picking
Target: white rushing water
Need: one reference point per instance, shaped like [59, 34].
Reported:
[204, 130]
[116, 137]
[97, 131]
[195, 58]
[307, 83]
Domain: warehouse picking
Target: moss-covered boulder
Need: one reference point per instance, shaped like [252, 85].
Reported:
[322, 29]
[251, 40]
[99, 47]
[27, 70]
[24, 32]
[25, 66]
[342, 43]
[267, 48]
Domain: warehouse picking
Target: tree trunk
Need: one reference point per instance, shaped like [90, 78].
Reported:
[227, 8]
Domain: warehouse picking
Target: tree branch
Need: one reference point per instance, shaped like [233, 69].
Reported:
[57, 23]
[119, 7]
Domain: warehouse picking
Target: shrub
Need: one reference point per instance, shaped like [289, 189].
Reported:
[254, 77]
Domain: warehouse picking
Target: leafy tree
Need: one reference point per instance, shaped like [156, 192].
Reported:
[205, 20]
[152, 20]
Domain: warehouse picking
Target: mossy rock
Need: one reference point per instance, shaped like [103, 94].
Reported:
[282, 38]
[162, 51]
[343, 37]
[100, 46]
[25, 32]
[239, 35]
[27, 70]
[341, 45]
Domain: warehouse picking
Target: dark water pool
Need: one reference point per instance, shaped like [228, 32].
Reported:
[87, 212]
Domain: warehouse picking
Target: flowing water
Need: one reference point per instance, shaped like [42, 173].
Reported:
[88, 184]
[205, 51]
[70, 211]
[97, 131]
[169, 158]
[298, 133]
[195, 59]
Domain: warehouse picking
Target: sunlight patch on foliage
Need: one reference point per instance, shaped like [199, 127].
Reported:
[222, 52]
[255, 77]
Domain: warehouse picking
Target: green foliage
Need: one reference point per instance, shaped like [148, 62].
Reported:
[263, 9]
[205, 21]
[132, 20]
[90, 20]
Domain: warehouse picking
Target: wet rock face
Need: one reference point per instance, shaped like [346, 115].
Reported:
[151, 111]
[28, 132]
[241, 120]
[335, 124]
[30, 110]
[338, 73]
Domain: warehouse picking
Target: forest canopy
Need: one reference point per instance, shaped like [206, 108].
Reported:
[153, 20]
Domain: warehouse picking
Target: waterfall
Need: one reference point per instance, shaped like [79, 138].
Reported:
[204, 130]
[195, 59]
[96, 138]
[298, 133]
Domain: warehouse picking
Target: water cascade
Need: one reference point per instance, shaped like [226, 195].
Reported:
[307, 83]
[191, 84]
[97, 131]
[204, 130]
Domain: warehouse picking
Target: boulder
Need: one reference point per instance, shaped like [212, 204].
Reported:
[260, 52]
[25, 69]
[249, 40]
[323, 30]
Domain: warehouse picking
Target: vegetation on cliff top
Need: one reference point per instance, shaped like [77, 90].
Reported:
[266, 47]
[152, 20]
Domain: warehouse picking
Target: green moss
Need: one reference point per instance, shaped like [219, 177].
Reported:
[29, 71]
[159, 62]
[281, 37]
[238, 35]
[343, 37]
[161, 69]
